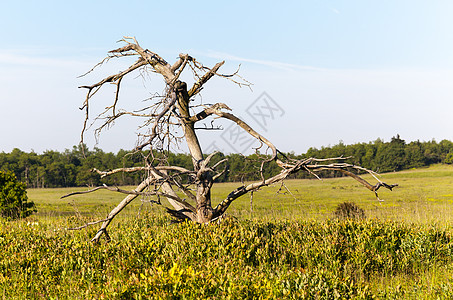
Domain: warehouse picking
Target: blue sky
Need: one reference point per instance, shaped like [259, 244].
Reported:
[340, 70]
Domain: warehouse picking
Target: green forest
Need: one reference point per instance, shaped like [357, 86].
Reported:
[73, 167]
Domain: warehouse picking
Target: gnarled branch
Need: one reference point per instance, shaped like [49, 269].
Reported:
[171, 112]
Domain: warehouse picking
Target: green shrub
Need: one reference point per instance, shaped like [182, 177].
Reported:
[14, 202]
[349, 210]
[449, 158]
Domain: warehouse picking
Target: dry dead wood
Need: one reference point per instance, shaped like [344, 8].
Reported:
[172, 112]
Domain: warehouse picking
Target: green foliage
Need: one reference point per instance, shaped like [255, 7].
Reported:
[148, 259]
[73, 167]
[449, 158]
[14, 202]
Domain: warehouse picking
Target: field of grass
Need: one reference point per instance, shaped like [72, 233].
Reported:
[288, 246]
[423, 196]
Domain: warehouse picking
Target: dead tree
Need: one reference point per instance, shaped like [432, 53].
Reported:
[173, 111]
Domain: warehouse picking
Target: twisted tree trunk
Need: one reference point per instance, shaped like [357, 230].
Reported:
[173, 111]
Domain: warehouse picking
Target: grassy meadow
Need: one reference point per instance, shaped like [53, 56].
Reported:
[286, 244]
[423, 196]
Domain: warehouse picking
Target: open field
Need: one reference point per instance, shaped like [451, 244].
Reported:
[423, 196]
[289, 246]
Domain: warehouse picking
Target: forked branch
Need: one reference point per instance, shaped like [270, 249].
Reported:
[169, 120]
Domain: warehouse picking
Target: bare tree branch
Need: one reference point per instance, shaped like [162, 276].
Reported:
[341, 167]
[170, 120]
[181, 170]
[199, 84]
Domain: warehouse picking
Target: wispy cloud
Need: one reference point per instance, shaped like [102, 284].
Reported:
[9, 58]
[333, 9]
[49, 56]
[269, 63]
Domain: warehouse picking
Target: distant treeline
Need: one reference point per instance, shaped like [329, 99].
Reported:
[73, 167]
